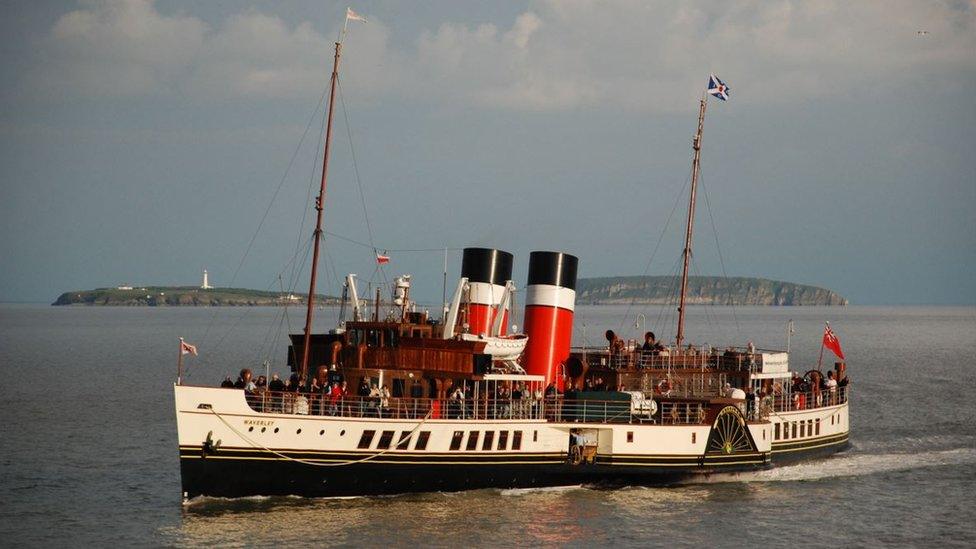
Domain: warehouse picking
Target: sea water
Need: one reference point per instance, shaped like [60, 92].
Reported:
[89, 453]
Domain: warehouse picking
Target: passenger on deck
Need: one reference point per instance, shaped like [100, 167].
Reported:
[651, 345]
[243, 379]
[832, 387]
[374, 400]
[335, 399]
[614, 343]
[385, 401]
[227, 383]
[275, 385]
[750, 403]
[363, 393]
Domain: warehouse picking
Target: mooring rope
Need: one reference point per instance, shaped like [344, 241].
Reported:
[315, 463]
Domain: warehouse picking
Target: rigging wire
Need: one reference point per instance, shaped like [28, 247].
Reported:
[657, 245]
[355, 164]
[721, 259]
[308, 195]
[267, 210]
[398, 250]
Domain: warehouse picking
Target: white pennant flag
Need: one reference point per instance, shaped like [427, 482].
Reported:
[353, 16]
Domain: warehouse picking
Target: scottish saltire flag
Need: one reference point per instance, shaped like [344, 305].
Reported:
[718, 88]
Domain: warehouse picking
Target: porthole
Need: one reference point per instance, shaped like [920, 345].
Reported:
[298, 432]
[263, 429]
[276, 429]
[322, 432]
[249, 429]
[342, 432]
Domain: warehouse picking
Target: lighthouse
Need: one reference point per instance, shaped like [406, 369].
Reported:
[206, 282]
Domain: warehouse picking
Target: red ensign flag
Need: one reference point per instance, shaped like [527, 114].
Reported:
[187, 349]
[831, 342]
[382, 259]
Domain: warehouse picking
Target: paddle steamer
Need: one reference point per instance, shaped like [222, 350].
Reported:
[465, 404]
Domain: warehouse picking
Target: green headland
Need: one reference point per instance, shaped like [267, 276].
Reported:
[155, 296]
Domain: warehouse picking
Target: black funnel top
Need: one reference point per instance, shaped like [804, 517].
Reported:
[486, 265]
[553, 268]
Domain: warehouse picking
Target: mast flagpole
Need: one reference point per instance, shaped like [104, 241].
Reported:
[319, 203]
[695, 169]
[179, 365]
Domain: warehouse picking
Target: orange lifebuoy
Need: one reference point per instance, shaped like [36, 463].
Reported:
[663, 387]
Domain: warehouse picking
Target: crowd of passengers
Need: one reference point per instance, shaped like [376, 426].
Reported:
[643, 355]
[822, 391]
[514, 399]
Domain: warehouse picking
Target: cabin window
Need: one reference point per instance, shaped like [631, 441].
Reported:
[489, 439]
[472, 441]
[366, 439]
[630, 436]
[818, 426]
[803, 429]
[535, 436]
[456, 441]
[831, 419]
[404, 443]
[422, 439]
[810, 427]
[502, 440]
[693, 437]
[517, 440]
[776, 431]
[385, 439]
[793, 429]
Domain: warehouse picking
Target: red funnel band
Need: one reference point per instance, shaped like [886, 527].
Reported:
[550, 331]
[481, 317]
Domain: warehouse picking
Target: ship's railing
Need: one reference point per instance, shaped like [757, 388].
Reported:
[704, 358]
[807, 400]
[393, 408]
[557, 408]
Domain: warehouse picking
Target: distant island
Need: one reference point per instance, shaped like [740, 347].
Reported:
[156, 296]
[702, 290]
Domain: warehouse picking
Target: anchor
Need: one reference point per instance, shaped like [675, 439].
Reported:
[209, 447]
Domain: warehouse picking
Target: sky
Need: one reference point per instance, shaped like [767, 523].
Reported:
[141, 142]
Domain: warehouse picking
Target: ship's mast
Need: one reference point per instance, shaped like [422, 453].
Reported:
[319, 203]
[695, 169]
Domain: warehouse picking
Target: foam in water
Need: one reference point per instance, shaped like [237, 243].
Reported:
[848, 466]
[543, 489]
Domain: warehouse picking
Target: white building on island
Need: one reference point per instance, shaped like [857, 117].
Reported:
[206, 282]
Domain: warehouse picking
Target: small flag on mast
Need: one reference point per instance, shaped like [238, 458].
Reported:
[718, 88]
[187, 349]
[382, 259]
[831, 342]
[353, 16]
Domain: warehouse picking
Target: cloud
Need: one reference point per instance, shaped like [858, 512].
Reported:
[117, 47]
[557, 55]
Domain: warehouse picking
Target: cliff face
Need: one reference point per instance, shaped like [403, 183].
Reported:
[702, 290]
[154, 296]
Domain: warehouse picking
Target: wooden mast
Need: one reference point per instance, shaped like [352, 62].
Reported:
[695, 169]
[319, 203]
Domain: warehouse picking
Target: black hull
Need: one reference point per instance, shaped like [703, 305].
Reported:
[227, 475]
